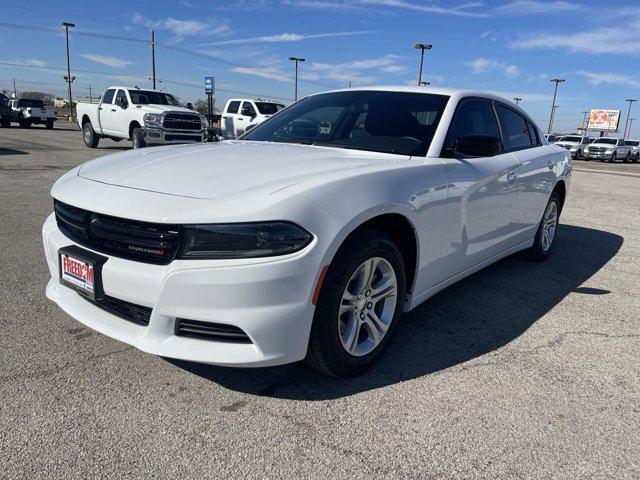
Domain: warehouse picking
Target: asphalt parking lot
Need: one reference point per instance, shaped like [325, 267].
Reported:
[521, 370]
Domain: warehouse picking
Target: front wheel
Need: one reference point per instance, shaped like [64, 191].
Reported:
[49, 124]
[24, 123]
[137, 138]
[360, 303]
[89, 135]
[5, 123]
[627, 159]
[546, 234]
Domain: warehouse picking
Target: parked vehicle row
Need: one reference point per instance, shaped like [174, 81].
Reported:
[605, 149]
[146, 117]
[309, 237]
[242, 114]
[25, 112]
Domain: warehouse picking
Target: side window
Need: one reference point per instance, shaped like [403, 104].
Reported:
[515, 129]
[585, 141]
[108, 96]
[620, 143]
[233, 107]
[248, 109]
[533, 134]
[121, 99]
[474, 117]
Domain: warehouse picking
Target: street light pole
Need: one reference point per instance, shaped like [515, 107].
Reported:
[630, 100]
[422, 47]
[517, 100]
[153, 57]
[69, 78]
[585, 123]
[553, 105]
[296, 59]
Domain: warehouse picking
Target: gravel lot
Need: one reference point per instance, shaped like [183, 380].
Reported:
[522, 370]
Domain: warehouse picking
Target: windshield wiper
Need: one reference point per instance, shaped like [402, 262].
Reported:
[355, 147]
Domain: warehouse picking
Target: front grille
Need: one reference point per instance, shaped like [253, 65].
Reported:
[217, 332]
[128, 311]
[182, 121]
[146, 242]
[597, 150]
[174, 137]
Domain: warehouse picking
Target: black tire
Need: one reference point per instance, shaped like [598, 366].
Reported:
[24, 123]
[89, 135]
[627, 159]
[137, 138]
[637, 157]
[326, 352]
[5, 123]
[49, 124]
[578, 155]
[537, 252]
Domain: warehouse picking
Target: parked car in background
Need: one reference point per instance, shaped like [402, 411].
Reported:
[146, 117]
[608, 149]
[551, 138]
[5, 111]
[28, 111]
[241, 114]
[310, 236]
[575, 144]
[635, 150]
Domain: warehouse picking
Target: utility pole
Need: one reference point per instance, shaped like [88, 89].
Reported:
[153, 58]
[517, 100]
[630, 100]
[585, 123]
[630, 123]
[69, 78]
[296, 59]
[15, 92]
[553, 105]
[90, 97]
[422, 47]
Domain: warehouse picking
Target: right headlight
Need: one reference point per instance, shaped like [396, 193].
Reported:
[243, 240]
[153, 119]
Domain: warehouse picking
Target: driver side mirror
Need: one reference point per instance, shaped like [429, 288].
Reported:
[190, 106]
[122, 104]
[476, 146]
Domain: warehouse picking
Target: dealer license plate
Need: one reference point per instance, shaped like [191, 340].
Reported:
[78, 274]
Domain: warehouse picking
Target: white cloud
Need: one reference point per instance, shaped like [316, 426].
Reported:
[622, 39]
[459, 10]
[109, 61]
[271, 75]
[358, 71]
[530, 7]
[37, 63]
[483, 65]
[190, 27]
[608, 78]
[289, 37]
[325, 5]
[489, 35]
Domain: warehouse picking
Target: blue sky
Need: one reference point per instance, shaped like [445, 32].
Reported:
[513, 47]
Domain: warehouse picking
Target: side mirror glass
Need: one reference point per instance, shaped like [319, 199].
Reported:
[477, 146]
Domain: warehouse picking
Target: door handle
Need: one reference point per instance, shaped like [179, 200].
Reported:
[113, 109]
[99, 108]
[511, 176]
[551, 164]
[239, 119]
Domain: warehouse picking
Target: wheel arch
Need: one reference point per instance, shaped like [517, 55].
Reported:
[85, 119]
[561, 190]
[132, 126]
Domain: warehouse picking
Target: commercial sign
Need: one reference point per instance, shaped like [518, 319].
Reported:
[209, 85]
[604, 120]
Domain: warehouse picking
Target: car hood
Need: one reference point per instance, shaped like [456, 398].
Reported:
[568, 144]
[223, 169]
[150, 108]
[596, 144]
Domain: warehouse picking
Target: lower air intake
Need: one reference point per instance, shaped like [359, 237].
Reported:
[215, 332]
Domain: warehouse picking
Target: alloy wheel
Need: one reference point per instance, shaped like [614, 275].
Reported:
[367, 306]
[550, 224]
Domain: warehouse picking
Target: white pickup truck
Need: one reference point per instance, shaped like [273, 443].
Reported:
[27, 112]
[241, 114]
[607, 149]
[575, 144]
[146, 117]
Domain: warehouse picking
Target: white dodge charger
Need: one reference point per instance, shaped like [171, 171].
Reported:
[309, 236]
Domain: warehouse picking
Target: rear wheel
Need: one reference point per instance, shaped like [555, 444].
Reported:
[49, 124]
[359, 306]
[546, 234]
[24, 123]
[89, 135]
[5, 123]
[627, 159]
[137, 138]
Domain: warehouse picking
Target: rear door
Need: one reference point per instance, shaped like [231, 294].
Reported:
[481, 191]
[229, 118]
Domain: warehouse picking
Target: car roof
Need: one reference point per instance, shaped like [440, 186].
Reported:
[113, 87]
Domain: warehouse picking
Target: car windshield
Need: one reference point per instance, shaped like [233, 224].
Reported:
[608, 141]
[149, 97]
[27, 102]
[268, 108]
[392, 122]
[572, 139]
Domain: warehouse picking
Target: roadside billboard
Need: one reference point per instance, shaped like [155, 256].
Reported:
[604, 120]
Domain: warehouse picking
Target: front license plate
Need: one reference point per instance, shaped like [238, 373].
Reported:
[43, 119]
[78, 274]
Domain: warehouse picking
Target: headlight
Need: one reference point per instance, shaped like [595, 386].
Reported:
[153, 119]
[573, 149]
[609, 151]
[243, 240]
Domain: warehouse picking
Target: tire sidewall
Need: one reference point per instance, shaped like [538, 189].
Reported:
[87, 127]
[342, 268]
[540, 253]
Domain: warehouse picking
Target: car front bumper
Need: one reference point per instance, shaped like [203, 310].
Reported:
[159, 135]
[269, 299]
[598, 155]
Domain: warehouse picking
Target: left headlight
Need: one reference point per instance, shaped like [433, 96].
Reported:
[152, 119]
[243, 240]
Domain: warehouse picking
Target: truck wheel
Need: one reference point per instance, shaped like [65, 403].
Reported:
[49, 124]
[89, 135]
[5, 123]
[24, 123]
[613, 158]
[627, 159]
[138, 138]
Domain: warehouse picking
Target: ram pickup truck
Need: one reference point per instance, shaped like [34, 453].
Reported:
[5, 111]
[608, 150]
[146, 117]
[575, 144]
[242, 114]
[635, 150]
[27, 112]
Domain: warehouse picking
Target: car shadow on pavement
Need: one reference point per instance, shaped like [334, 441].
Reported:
[465, 321]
